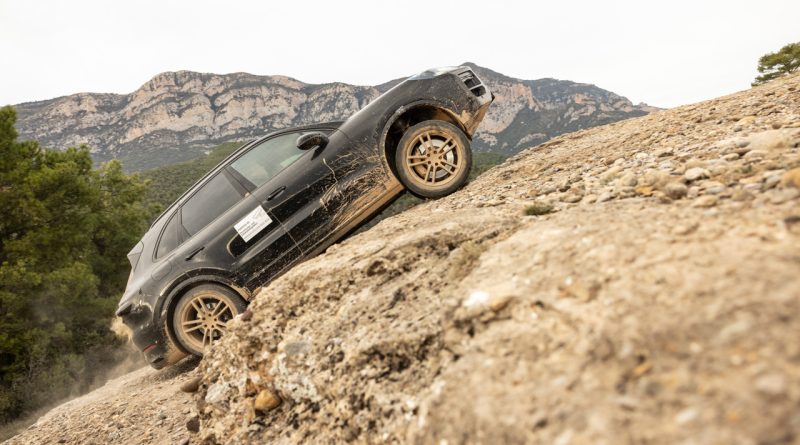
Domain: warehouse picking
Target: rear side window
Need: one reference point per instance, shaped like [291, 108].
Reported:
[212, 200]
[169, 237]
[262, 162]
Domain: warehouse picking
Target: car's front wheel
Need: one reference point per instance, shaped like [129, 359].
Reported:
[433, 159]
[202, 314]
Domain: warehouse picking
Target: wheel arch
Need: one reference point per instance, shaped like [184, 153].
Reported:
[408, 116]
[181, 286]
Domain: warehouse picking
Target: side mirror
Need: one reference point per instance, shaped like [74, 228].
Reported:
[311, 140]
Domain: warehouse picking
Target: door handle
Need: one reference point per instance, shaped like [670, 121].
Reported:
[275, 194]
[194, 252]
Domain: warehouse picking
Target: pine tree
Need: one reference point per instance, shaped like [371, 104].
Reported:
[65, 228]
[773, 65]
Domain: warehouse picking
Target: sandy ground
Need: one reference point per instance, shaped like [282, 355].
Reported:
[144, 406]
[632, 283]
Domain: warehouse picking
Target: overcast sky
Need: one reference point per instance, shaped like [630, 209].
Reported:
[664, 53]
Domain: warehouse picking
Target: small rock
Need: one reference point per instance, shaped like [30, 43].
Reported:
[192, 385]
[247, 315]
[705, 201]
[497, 304]
[686, 416]
[676, 190]
[753, 187]
[662, 197]
[783, 195]
[772, 384]
[644, 190]
[611, 173]
[628, 180]
[771, 181]
[755, 154]
[579, 290]
[654, 178]
[266, 400]
[731, 156]
[605, 196]
[629, 403]
[377, 267]
[491, 203]
[539, 208]
[791, 178]
[742, 195]
[742, 143]
[685, 229]
[714, 187]
[747, 120]
[792, 223]
[664, 152]
[193, 424]
[693, 174]
[572, 197]
[626, 192]
[769, 140]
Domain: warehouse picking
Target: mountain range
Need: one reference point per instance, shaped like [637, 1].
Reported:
[177, 116]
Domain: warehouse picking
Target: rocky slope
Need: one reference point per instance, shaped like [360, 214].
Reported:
[177, 115]
[632, 283]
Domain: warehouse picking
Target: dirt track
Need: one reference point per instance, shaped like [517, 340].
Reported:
[144, 406]
[658, 303]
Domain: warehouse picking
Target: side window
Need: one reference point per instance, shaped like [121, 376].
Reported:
[211, 201]
[169, 237]
[262, 162]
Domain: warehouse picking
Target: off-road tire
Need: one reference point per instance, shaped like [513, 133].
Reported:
[433, 159]
[198, 320]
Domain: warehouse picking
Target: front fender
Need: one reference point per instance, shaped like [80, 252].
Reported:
[403, 109]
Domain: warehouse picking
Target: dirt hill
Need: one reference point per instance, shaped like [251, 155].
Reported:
[632, 283]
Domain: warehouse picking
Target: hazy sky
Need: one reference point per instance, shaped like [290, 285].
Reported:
[665, 53]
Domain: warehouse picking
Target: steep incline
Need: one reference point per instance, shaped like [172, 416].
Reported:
[657, 302]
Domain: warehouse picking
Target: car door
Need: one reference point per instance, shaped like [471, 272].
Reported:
[331, 183]
[299, 186]
[211, 222]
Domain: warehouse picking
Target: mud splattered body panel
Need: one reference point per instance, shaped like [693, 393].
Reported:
[311, 199]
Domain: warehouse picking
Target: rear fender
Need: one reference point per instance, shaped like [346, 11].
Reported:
[189, 280]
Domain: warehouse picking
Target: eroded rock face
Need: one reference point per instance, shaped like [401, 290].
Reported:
[656, 301]
[187, 112]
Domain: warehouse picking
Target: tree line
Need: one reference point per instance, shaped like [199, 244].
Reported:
[65, 229]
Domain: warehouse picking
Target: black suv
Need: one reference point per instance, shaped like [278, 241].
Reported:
[288, 196]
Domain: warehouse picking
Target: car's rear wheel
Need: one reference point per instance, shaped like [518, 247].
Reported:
[202, 314]
[433, 159]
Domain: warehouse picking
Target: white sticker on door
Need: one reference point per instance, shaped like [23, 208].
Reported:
[253, 223]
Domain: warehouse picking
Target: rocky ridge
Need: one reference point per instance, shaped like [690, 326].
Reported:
[632, 283]
[177, 115]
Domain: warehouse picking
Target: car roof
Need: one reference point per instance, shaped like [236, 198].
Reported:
[246, 145]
